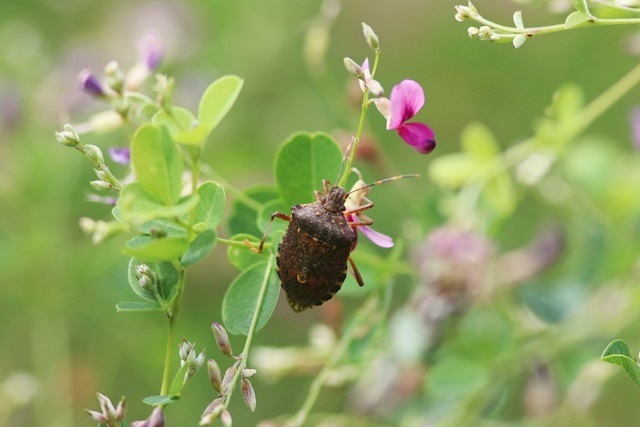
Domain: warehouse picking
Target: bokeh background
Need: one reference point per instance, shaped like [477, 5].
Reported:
[61, 337]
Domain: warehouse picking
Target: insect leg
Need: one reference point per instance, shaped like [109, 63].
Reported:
[266, 233]
[364, 207]
[356, 273]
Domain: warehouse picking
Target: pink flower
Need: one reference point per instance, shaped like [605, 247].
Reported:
[407, 98]
[376, 237]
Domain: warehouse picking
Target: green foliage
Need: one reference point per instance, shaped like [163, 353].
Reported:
[618, 353]
[302, 162]
[240, 257]
[157, 163]
[149, 248]
[200, 247]
[244, 296]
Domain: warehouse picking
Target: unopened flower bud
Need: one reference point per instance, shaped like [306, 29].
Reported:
[494, 37]
[463, 12]
[184, 349]
[225, 418]
[228, 377]
[353, 68]
[99, 185]
[158, 233]
[211, 412]
[147, 278]
[248, 373]
[108, 414]
[87, 225]
[215, 377]
[156, 419]
[115, 77]
[94, 154]
[222, 339]
[164, 88]
[371, 37]
[472, 31]
[248, 394]
[89, 84]
[68, 136]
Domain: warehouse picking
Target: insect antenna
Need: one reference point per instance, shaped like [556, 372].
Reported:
[382, 181]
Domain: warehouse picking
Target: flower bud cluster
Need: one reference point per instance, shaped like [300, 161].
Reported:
[146, 277]
[100, 230]
[109, 415]
[464, 12]
[190, 358]
[483, 33]
[68, 136]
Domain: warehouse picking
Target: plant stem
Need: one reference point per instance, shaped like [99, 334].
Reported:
[240, 244]
[363, 114]
[173, 318]
[363, 314]
[252, 328]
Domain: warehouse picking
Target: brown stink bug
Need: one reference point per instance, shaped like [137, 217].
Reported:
[315, 249]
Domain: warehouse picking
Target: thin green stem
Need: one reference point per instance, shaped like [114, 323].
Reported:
[603, 102]
[173, 318]
[363, 114]
[510, 32]
[252, 329]
[242, 244]
[364, 313]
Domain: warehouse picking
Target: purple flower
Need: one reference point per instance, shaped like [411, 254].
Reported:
[156, 419]
[88, 83]
[375, 88]
[151, 50]
[120, 155]
[376, 237]
[407, 98]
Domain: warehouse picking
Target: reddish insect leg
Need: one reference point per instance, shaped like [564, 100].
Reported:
[266, 233]
[355, 272]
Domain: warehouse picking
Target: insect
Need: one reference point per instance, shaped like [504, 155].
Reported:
[315, 249]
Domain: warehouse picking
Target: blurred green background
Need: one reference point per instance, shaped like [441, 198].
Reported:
[58, 291]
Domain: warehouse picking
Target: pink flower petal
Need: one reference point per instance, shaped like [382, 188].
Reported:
[419, 136]
[376, 237]
[407, 98]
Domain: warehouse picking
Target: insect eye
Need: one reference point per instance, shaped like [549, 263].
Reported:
[323, 199]
[342, 208]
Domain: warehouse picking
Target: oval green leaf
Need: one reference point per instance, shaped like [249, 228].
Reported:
[200, 247]
[302, 162]
[257, 286]
[136, 207]
[212, 203]
[217, 100]
[148, 248]
[618, 353]
[244, 210]
[139, 306]
[157, 163]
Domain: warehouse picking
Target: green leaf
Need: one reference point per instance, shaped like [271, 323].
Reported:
[157, 163]
[171, 228]
[264, 216]
[200, 247]
[452, 170]
[212, 204]
[139, 306]
[148, 248]
[242, 257]
[218, 99]
[618, 353]
[580, 5]
[478, 140]
[182, 126]
[167, 279]
[576, 18]
[244, 217]
[302, 162]
[568, 102]
[517, 19]
[241, 300]
[519, 40]
[178, 381]
[160, 400]
[136, 207]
